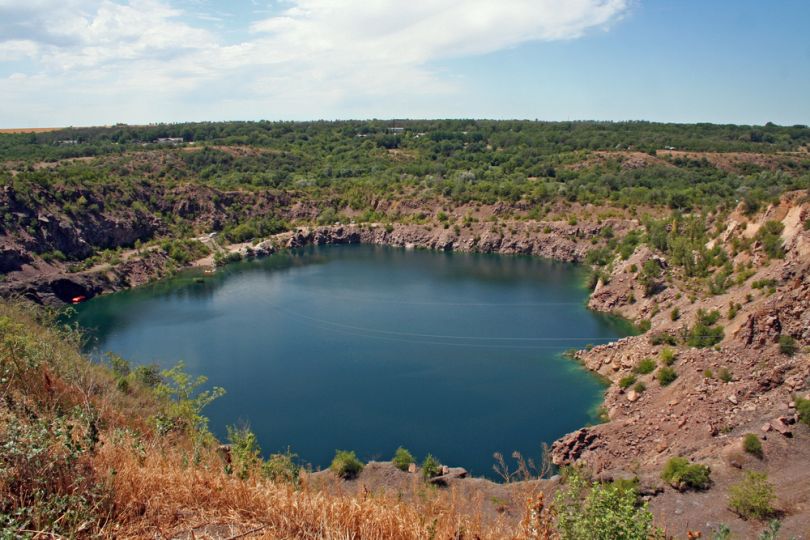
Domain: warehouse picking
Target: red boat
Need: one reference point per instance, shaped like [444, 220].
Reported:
[79, 299]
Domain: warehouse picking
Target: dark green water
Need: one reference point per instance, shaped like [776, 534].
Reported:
[369, 348]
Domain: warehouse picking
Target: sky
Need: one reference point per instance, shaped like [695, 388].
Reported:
[100, 62]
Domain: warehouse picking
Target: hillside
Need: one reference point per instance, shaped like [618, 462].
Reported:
[704, 246]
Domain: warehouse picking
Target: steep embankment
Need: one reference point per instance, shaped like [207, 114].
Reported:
[746, 383]
[720, 387]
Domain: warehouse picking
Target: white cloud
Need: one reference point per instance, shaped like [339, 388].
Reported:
[313, 56]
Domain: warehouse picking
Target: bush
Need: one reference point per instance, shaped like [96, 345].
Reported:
[704, 333]
[675, 314]
[770, 235]
[667, 356]
[682, 475]
[402, 459]
[282, 468]
[666, 376]
[640, 387]
[663, 338]
[803, 408]
[245, 451]
[752, 497]
[626, 382]
[644, 324]
[647, 365]
[600, 511]
[222, 260]
[431, 467]
[787, 345]
[752, 445]
[725, 375]
[346, 465]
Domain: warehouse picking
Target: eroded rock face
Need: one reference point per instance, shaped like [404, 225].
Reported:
[569, 448]
[562, 241]
[787, 313]
[12, 258]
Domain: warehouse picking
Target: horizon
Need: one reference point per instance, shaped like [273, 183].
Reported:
[141, 62]
[24, 129]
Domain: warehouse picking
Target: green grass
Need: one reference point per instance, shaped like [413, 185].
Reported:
[645, 366]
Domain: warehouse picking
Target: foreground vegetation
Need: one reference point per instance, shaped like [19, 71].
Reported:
[113, 450]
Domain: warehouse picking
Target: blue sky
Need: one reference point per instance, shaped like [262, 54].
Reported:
[89, 62]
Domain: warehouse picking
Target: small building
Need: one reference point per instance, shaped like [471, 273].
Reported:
[170, 140]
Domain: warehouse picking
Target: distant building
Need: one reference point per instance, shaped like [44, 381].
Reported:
[396, 130]
[67, 142]
[170, 140]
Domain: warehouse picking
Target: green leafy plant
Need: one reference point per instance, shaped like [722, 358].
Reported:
[753, 445]
[282, 467]
[431, 467]
[667, 356]
[346, 465]
[705, 332]
[593, 511]
[752, 497]
[666, 376]
[645, 366]
[627, 381]
[245, 451]
[788, 345]
[683, 475]
[402, 459]
[185, 401]
[803, 409]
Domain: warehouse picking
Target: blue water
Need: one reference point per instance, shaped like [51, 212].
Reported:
[369, 348]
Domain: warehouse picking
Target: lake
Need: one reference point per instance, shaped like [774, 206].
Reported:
[370, 347]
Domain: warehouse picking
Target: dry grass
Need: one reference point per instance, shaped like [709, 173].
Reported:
[160, 495]
[28, 130]
[84, 460]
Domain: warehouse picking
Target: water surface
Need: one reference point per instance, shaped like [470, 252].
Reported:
[368, 348]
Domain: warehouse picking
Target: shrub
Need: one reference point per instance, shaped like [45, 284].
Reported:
[431, 467]
[704, 333]
[725, 375]
[626, 382]
[650, 272]
[282, 468]
[667, 356]
[245, 451]
[752, 497]
[787, 345]
[600, 511]
[402, 459]
[666, 376]
[640, 387]
[803, 408]
[752, 445]
[769, 234]
[663, 338]
[647, 365]
[644, 324]
[221, 260]
[682, 475]
[675, 314]
[346, 465]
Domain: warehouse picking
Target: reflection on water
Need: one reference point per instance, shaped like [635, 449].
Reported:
[370, 348]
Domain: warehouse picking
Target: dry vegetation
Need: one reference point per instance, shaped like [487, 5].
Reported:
[84, 455]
